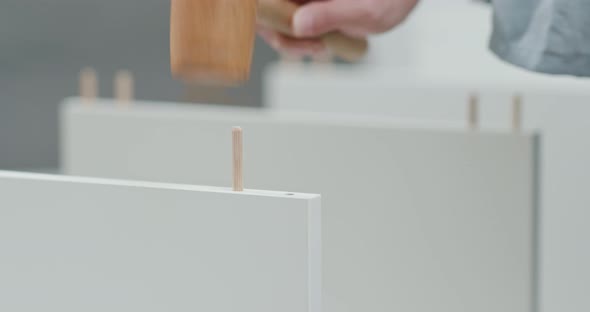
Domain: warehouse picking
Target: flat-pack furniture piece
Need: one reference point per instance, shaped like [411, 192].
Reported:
[70, 244]
[555, 105]
[414, 218]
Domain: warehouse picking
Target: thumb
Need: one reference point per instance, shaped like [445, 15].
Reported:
[320, 17]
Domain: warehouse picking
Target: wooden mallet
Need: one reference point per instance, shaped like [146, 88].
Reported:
[212, 41]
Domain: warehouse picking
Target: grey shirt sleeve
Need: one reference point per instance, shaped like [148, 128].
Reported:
[549, 36]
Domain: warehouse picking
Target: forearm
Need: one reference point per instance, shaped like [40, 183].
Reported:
[546, 36]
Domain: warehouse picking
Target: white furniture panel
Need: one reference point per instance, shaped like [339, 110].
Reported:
[73, 244]
[557, 106]
[415, 219]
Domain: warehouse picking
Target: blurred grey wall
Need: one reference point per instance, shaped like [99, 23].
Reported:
[44, 44]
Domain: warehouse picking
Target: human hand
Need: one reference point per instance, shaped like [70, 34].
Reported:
[357, 18]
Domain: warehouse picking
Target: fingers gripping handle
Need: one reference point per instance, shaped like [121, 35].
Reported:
[278, 14]
[212, 41]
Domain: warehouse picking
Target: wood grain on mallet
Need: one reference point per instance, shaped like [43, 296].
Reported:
[473, 111]
[88, 84]
[212, 41]
[124, 86]
[238, 158]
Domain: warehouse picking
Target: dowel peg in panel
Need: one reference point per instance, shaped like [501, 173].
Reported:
[473, 112]
[517, 113]
[124, 87]
[88, 84]
[238, 157]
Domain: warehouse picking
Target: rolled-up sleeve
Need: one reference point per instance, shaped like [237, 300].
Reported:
[549, 36]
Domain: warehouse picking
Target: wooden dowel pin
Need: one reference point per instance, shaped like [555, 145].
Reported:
[88, 84]
[473, 112]
[517, 113]
[124, 87]
[238, 157]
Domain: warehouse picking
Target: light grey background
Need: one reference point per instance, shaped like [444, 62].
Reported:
[44, 44]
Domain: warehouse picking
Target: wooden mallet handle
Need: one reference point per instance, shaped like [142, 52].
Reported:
[278, 14]
[212, 41]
